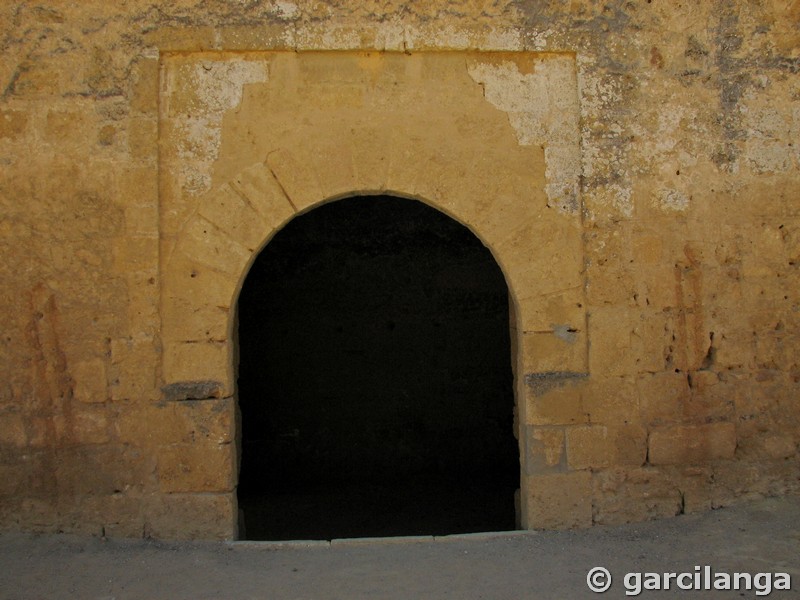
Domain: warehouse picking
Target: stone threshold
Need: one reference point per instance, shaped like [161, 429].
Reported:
[375, 541]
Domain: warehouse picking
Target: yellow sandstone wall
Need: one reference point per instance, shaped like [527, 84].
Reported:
[633, 166]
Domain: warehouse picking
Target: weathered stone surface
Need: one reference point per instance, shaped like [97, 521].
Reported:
[196, 467]
[560, 501]
[191, 390]
[193, 516]
[691, 444]
[545, 450]
[630, 495]
[646, 221]
[598, 446]
[555, 400]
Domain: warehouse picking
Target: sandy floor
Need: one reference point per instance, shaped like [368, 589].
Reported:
[761, 537]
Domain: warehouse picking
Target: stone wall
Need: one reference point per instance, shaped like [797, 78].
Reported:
[632, 166]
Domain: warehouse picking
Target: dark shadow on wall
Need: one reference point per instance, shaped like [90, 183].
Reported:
[375, 380]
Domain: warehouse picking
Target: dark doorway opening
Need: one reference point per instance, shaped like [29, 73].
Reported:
[374, 381]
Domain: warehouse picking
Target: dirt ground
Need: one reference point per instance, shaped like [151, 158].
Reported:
[759, 537]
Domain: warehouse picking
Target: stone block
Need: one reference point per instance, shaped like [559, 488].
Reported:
[91, 381]
[625, 495]
[143, 139]
[138, 186]
[100, 469]
[758, 442]
[116, 515]
[402, 172]
[611, 401]
[86, 425]
[370, 158]
[40, 432]
[677, 397]
[183, 320]
[37, 80]
[204, 421]
[136, 253]
[208, 421]
[651, 340]
[734, 349]
[185, 278]
[193, 517]
[543, 312]
[663, 397]
[558, 351]
[333, 167]
[426, 176]
[13, 430]
[534, 259]
[557, 501]
[265, 194]
[141, 220]
[560, 403]
[509, 216]
[199, 361]
[600, 446]
[66, 126]
[696, 487]
[234, 217]
[12, 482]
[613, 285]
[138, 423]
[207, 245]
[297, 179]
[736, 480]
[692, 444]
[611, 352]
[658, 288]
[544, 450]
[182, 324]
[648, 248]
[257, 37]
[132, 372]
[143, 300]
[37, 514]
[144, 87]
[182, 39]
[197, 467]
[710, 399]
[12, 123]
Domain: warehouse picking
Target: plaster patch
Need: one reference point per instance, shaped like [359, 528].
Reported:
[390, 36]
[564, 332]
[342, 38]
[213, 87]
[286, 11]
[767, 123]
[503, 38]
[542, 108]
[597, 93]
[669, 199]
[539, 39]
[438, 37]
[602, 155]
[617, 197]
[767, 156]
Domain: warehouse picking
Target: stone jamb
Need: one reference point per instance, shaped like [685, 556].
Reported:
[205, 262]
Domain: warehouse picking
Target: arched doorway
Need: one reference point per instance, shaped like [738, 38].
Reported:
[374, 380]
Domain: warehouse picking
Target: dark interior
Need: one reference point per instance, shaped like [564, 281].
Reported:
[374, 380]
